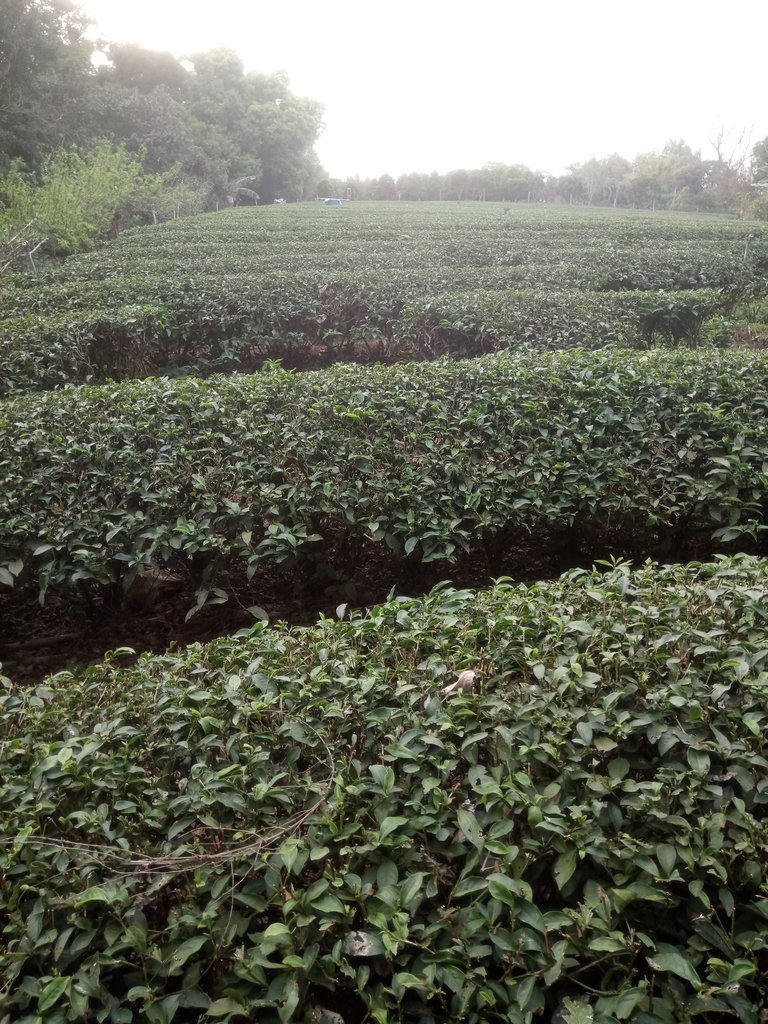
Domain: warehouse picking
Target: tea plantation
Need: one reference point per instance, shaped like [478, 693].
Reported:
[373, 282]
[313, 824]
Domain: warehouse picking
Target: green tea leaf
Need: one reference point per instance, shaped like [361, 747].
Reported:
[470, 827]
[52, 992]
[186, 949]
[390, 825]
[565, 865]
[669, 958]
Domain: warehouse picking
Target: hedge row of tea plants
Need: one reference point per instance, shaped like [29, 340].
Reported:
[471, 323]
[312, 286]
[298, 825]
[305, 324]
[614, 450]
[566, 248]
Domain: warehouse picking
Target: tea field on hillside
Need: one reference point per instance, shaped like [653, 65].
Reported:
[374, 282]
[270, 412]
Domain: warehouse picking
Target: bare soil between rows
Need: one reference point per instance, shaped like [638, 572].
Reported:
[66, 635]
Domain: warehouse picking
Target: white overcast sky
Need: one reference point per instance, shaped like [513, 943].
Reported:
[422, 85]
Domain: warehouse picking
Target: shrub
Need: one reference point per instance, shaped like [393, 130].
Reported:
[432, 460]
[299, 825]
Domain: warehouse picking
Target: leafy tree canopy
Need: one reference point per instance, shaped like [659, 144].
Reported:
[208, 116]
[44, 68]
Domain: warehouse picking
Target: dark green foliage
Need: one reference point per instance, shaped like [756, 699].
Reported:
[296, 823]
[215, 122]
[101, 484]
[471, 323]
[44, 74]
[52, 350]
[310, 287]
[241, 326]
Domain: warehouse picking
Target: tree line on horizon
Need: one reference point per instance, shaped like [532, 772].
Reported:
[676, 178]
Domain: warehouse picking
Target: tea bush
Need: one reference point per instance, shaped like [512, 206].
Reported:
[367, 283]
[100, 485]
[297, 825]
[304, 326]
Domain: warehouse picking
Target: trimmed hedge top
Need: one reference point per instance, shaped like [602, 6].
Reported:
[371, 283]
[102, 484]
[298, 825]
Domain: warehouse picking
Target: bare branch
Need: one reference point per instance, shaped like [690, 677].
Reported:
[19, 245]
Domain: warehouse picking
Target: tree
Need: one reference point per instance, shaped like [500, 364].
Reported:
[154, 123]
[217, 95]
[646, 184]
[257, 125]
[759, 163]
[385, 188]
[722, 188]
[146, 71]
[602, 182]
[456, 184]
[731, 149]
[416, 187]
[570, 187]
[44, 70]
[509, 183]
[281, 133]
[683, 174]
